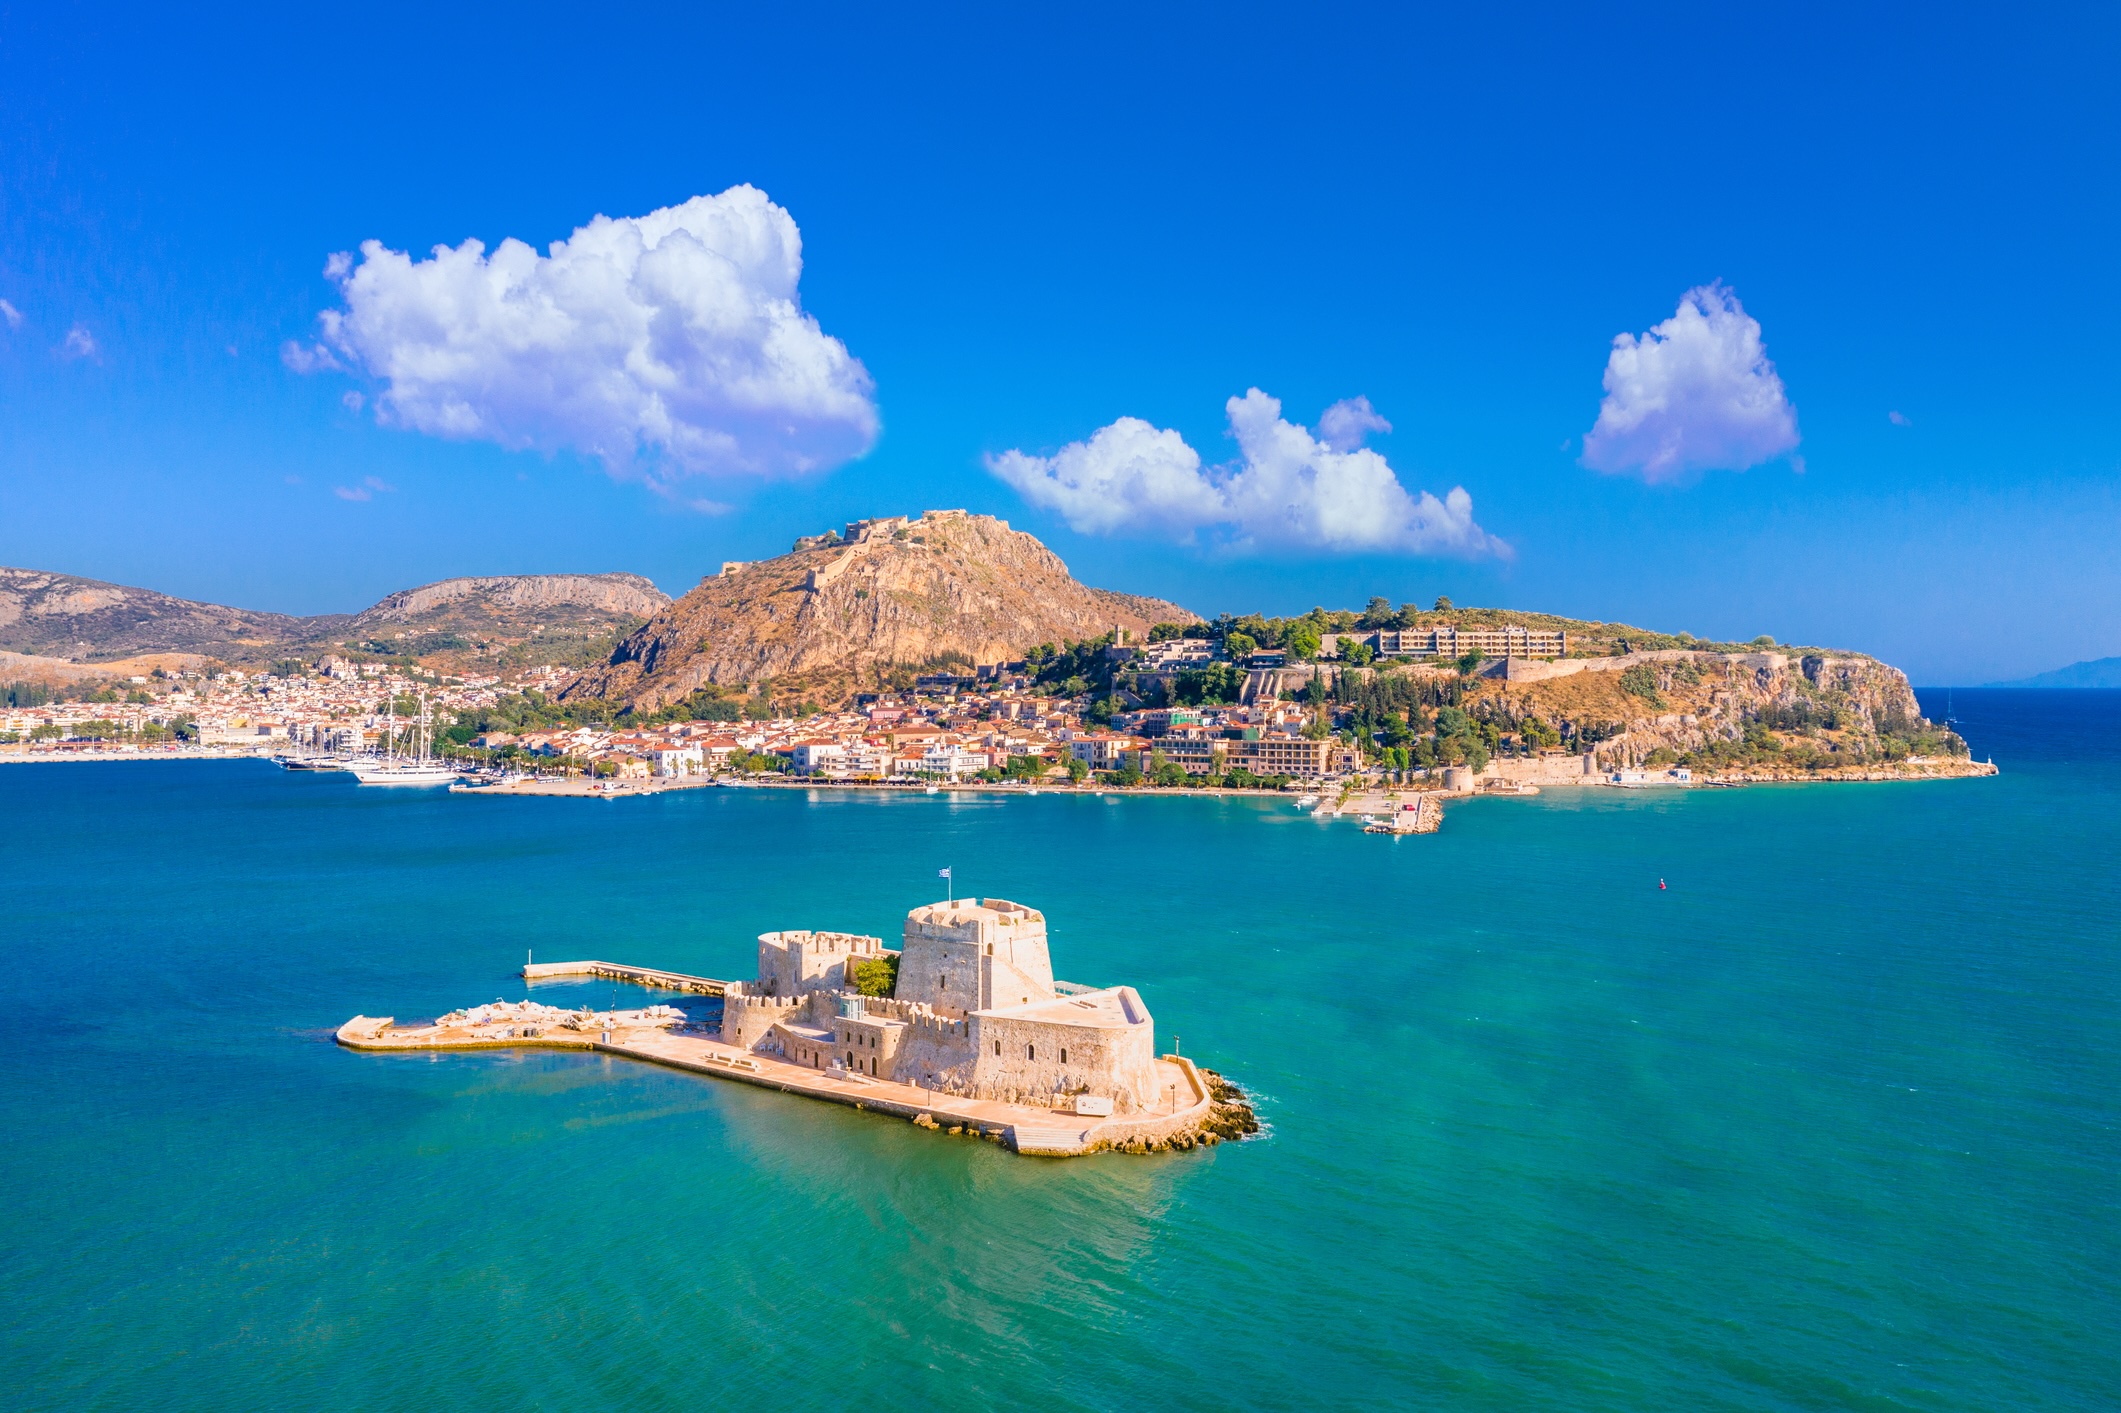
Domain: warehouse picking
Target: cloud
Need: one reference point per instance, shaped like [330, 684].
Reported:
[10, 313]
[665, 345]
[1346, 423]
[80, 343]
[1898, 419]
[1695, 393]
[315, 358]
[352, 401]
[1288, 488]
[367, 490]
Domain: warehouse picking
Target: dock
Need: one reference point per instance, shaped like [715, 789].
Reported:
[639, 976]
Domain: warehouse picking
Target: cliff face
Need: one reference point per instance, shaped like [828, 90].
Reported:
[502, 595]
[892, 593]
[1684, 701]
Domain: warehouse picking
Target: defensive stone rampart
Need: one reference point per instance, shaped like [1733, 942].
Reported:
[791, 963]
[748, 1016]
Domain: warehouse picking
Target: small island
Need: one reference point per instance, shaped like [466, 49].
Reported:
[962, 1030]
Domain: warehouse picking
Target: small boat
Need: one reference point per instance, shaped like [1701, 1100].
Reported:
[930, 790]
[1307, 802]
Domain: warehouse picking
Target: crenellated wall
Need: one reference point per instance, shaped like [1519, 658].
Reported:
[791, 963]
[747, 1016]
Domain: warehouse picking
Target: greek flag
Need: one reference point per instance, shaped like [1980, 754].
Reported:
[942, 873]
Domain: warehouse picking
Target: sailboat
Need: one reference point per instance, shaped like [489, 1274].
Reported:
[418, 768]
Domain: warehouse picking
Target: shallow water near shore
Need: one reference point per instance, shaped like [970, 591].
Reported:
[1830, 1121]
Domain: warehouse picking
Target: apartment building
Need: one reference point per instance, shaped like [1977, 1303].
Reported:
[1506, 641]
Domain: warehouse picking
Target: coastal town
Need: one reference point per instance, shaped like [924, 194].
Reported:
[1369, 714]
[946, 728]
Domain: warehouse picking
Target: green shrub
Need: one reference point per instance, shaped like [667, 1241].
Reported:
[878, 977]
[1641, 681]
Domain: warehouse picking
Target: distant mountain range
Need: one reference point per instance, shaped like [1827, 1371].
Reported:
[2099, 672]
[453, 622]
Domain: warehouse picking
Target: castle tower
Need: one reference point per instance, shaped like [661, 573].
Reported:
[796, 963]
[968, 956]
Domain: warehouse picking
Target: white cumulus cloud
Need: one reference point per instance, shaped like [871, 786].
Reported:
[666, 345]
[1289, 487]
[1695, 393]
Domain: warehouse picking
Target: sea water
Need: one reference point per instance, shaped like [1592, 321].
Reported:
[1779, 1098]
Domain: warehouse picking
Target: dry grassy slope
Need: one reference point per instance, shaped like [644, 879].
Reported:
[948, 586]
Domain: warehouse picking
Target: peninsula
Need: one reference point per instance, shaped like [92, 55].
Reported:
[962, 1030]
[947, 649]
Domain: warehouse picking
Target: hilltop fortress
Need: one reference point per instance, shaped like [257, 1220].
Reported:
[975, 1013]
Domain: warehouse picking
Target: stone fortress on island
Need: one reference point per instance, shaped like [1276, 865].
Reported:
[975, 1013]
[962, 1029]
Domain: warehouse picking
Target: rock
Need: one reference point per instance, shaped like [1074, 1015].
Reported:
[834, 614]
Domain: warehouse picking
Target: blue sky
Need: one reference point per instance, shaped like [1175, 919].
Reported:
[1022, 230]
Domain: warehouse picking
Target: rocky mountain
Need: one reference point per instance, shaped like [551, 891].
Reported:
[507, 595]
[64, 616]
[87, 620]
[850, 607]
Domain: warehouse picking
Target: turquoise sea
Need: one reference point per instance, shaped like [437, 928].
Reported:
[1831, 1121]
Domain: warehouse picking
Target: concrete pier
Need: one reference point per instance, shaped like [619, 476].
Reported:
[639, 976]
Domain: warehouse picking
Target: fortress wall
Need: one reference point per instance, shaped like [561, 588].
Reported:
[909, 1011]
[935, 1053]
[748, 1016]
[1020, 1061]
[1193, 1103]
[1518, 669]
[791, 963]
